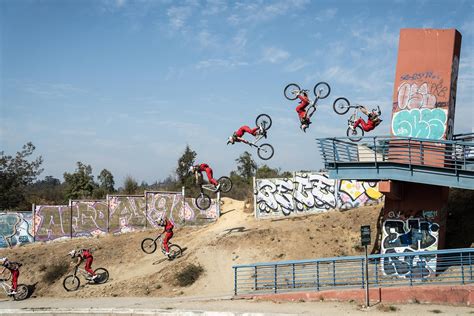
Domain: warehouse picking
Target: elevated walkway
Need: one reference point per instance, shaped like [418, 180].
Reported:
[435, 162]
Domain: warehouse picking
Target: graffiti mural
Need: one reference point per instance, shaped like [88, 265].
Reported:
[357, 193]
[15, 229]
[126, 213]
[402, 235]
[52, 222]
[89, 218]
[308, 193]
[420, 123]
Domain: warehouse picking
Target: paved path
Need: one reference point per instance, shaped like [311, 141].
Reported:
[205, 306]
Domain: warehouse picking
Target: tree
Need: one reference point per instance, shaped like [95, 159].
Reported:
[184, 162]
[266, 172]
[15, 174]
[46, 191]
[130, 185]
[246, 166]
[106, 181]
[80, 184]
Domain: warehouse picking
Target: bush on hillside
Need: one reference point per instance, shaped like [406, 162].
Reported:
[55, 271]
[189, 275]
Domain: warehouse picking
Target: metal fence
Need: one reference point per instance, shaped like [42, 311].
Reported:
[453, 266]
[448, 163]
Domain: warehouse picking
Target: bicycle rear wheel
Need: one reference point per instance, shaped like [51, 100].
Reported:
[341, 106]
[288, 89]
[71, 283]
[321, 90]
[103, 275]
[21, 292]
[265, 151]
[355, 134]
[264, 120]
[226, 184]
[203, 201]
[175, 251]
[148, 245]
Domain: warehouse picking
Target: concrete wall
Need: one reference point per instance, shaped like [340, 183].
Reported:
[424, 96]
[15, 229]
[414, 219]
[308, 193]
[117, 214]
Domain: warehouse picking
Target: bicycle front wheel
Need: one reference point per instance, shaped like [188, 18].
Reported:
[21, 292]
[264, 120]
[148, 245]
[102, 275]
[355, 134]
[289, 89]
[226, 184]
[71, 283]
[341, 106]
[321, 90]
[265, 151]
[175, 251]
[203, 201]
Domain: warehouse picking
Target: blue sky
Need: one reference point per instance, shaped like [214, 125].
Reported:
[125, 85]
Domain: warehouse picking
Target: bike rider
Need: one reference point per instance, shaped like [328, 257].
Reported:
[198, 169]
[168, 229]
[14, 268]
[373, 119]
[237, 136]
[81, 255]
[301, 109]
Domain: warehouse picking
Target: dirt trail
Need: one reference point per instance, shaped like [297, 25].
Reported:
[236, 238]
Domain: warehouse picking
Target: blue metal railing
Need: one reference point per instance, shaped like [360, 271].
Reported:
[451, 161]
[453, 266]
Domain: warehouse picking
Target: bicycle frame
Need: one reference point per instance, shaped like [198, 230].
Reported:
[82, 272]
[6, 287]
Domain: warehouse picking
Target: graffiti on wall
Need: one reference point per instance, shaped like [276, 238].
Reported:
[52, 222]
[357, 193]
[127, 213]
[402, 235]
[174, 206]
[15, 229]
[89, 218]
[117, 214]
[310, 193]
[422, 105]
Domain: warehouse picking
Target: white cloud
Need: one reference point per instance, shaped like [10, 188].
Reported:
[219, 63]
[296, 65]
[52, 90]
[274, 55]
[178, 16]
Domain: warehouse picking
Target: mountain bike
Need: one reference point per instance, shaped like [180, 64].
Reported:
[321, 91]
[22, 290]
[72, 282]
[203, 201]
[342, 106]
[264, 151]
[149, 246]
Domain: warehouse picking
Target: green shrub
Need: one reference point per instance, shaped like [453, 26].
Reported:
[55, 271]
[189, 275]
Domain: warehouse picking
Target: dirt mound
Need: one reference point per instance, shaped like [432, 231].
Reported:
[236, 238]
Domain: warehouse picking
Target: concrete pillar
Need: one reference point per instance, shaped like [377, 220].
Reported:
[424, 97]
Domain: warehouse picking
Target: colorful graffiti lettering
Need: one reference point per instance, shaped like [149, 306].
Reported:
[310, 193]
[424, 123]
[409, 235]
[15, 229]
[412, 96]
[89, 218]
[117, 214]
[52, 222]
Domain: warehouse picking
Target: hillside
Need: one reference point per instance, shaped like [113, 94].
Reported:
[236, 238]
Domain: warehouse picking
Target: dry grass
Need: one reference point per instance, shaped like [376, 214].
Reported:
[55, 271]
[189, 275]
